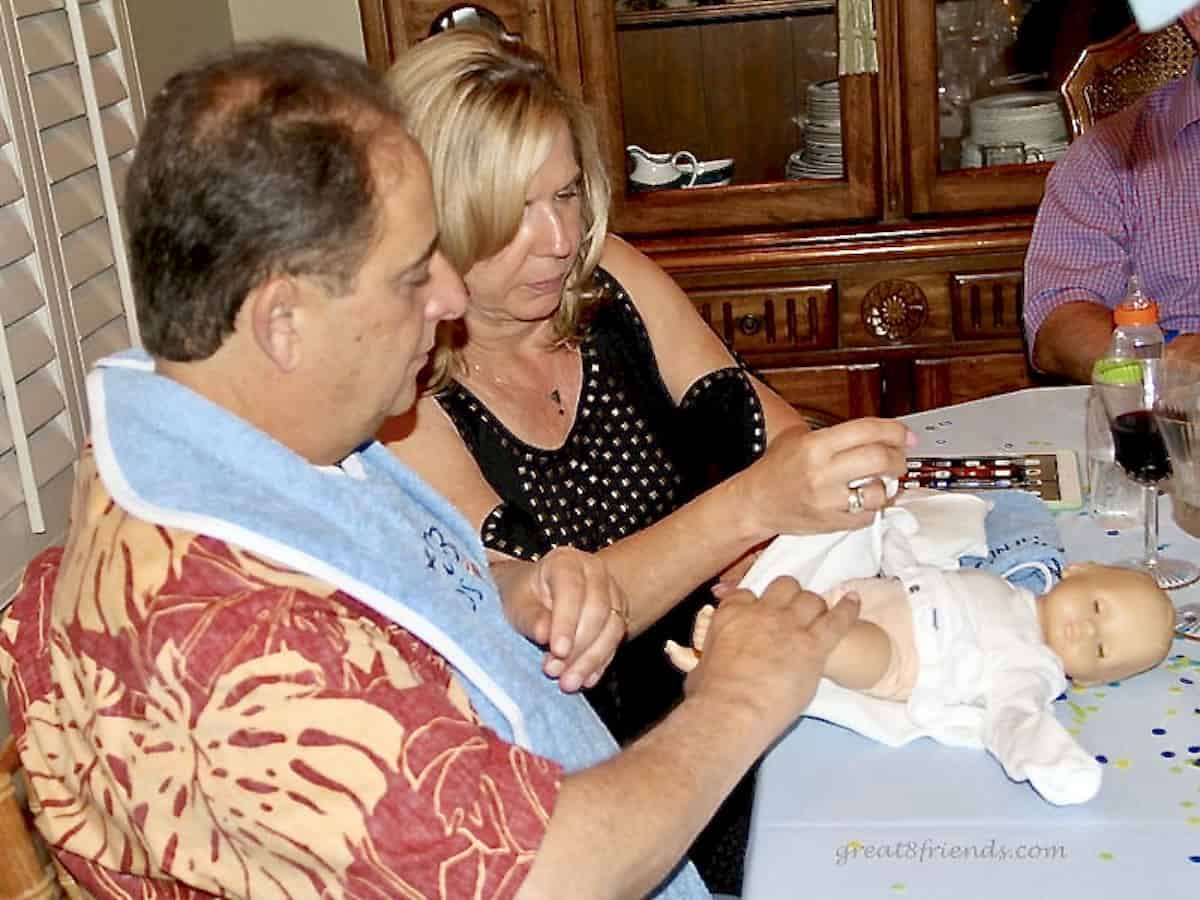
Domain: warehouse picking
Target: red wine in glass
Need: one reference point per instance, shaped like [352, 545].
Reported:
[1139, 446]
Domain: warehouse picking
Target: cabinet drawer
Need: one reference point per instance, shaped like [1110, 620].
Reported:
[826, 395]
[758, 320]
[939, 382]
[986, 304]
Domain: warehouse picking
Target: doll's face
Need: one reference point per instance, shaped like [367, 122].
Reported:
[1106, 623]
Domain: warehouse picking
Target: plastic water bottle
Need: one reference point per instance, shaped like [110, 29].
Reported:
[1136, 335]
[1115, 501]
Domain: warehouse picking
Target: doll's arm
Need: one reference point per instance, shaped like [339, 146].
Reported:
[1022, 732]
[687, 658]
[858, 661]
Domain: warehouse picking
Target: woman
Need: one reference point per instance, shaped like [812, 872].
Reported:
[585, 404]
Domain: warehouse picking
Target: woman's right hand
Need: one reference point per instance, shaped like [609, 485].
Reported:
[569, 603]
[801, 485]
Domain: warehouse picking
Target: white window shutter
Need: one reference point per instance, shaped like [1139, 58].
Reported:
[69, 113]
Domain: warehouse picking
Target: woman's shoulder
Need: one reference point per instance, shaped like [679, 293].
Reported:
[622, 262]
[644, 282]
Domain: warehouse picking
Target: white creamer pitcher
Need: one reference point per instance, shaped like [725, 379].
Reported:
[661, 170]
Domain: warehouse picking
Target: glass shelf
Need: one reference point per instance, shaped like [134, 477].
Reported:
[735, 9]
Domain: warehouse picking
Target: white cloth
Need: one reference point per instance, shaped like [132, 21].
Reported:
[987, 679]
[923, 527]
[1152, 15]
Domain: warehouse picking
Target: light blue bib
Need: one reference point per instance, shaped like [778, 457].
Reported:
[371, 528]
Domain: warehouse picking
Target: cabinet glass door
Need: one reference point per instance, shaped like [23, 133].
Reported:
[731, 112]
[984, 113]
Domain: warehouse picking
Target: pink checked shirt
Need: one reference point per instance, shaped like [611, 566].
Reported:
[1127, 191]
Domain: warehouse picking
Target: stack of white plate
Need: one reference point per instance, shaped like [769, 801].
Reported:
[821, 154]
[1033, 118]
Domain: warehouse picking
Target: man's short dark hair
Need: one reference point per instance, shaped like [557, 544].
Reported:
[254, 164]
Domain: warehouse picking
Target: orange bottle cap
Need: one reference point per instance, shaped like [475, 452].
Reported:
[1136, 315]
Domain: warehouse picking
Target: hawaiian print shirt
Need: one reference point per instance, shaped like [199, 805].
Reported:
[196, 721]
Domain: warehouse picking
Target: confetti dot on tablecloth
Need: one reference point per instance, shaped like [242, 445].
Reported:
[1193, 820]
[1167, 754]
[945, 422]
[1102, 759]
[1122, 763]
[931, 428]
[1170, 712]
[1100, 695]
[941, 441]
[1176, 770]
[1194, 748]
[1105, 855]
[1195, 859]
[899, 888]
[1112, 532]
[1159, 731]
[1092, 708]
[1186, 804]
[1186, 681]
[1174, 689]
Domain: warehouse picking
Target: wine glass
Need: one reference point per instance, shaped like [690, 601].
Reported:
[1130, 390]
[1177, 413]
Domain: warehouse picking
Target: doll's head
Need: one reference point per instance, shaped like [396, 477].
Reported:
[1106, 623]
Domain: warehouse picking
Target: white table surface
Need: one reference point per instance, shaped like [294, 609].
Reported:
[837, 815]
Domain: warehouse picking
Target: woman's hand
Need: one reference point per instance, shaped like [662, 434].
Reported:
[568, 603]
[802, 484]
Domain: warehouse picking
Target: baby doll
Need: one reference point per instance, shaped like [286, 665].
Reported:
[970, 659]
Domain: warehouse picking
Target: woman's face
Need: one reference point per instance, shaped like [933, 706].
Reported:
[524, 281]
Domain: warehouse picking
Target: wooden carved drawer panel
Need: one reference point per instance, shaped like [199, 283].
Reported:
[986, 304]
[940, 382]
[758, 320]
[825, 395]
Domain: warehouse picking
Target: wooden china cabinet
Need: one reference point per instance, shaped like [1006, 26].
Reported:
[892, 286]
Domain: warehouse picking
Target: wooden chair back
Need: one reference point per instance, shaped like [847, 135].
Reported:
[24, 873]
[1110, 75]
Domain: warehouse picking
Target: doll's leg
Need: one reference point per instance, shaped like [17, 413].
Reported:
[878, 655]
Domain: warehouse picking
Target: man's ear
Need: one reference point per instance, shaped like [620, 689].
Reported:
[275, 315]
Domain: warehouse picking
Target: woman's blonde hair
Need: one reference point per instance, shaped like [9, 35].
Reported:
[486, 109]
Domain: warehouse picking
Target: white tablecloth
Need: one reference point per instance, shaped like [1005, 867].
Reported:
[836, 815]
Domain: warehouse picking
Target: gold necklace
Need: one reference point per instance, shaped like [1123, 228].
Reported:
[554, 395]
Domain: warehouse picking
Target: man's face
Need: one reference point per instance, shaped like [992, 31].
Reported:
[372, 342]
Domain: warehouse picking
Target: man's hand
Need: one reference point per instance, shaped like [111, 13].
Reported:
[769, 654]
[1184, 346]
[570, 604]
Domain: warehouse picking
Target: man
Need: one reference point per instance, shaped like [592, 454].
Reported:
[1123, 199]
[270, 660]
